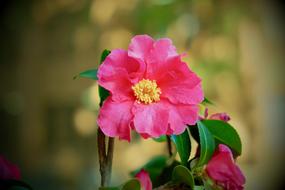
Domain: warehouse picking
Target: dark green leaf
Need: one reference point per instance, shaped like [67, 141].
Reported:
[90, 74]
[154, 167]
[207, 144]
[109, 188]
[162, 138]
[7, 184]
[165, 175]
[132, 184]
[103, 93]
[181, 174]
[104, 54]
[207, 101]
[225, 134]
[183, 145]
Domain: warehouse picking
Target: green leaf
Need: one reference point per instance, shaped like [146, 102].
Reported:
[181, 174]
[162, 138]
[103, 93]
[166, 174]
[154, 167]
[109, 188]
[90, 74]
[207, 144]
[104, 54]
[210, 185]
[207, 101]
[7, 184]
[183, 145]
[224, 133]
[132, 184]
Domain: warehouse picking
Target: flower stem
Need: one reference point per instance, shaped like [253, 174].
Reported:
[110, 159]
[105, 158]
[169, 147]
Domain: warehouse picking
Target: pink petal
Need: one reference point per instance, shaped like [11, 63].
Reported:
[8, 170]
[223, 169]
[115, 118]
[151, 119]
[140, 47]
[180, 116]
[163, 117]
[178, 83]
[161, 51]
[220, 116]
[188, 113]
[157, 59]
[144, 179]
[118, 73]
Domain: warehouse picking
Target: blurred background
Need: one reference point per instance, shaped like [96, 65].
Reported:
[48, 121]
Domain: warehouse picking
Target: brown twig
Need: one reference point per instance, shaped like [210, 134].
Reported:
[169, 147]
[102, 155]
[109, 159]
[105, 157]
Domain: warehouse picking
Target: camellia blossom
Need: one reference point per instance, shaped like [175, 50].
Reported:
[8, 170]
[144, 179]
[223, 170]
[151, 90]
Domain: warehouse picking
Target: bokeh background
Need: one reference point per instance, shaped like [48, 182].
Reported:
[48, 120]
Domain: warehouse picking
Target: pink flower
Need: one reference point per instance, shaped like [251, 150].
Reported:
[220, 116]
[152, 90]
[216, 116]
[223, 170]
[8, 170]
[144, 179]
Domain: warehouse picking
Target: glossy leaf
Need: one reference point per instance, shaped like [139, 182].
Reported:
[103, 94]
[104, 54]
[183, 145]
[90, 74]
[154, 167]
[181, 174]
[225, 134]
[207, 144]
[166, 174]
[132, 184]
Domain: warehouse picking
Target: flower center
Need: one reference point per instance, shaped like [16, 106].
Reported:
[146, 91]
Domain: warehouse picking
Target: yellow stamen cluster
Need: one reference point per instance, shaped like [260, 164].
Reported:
[146, 91]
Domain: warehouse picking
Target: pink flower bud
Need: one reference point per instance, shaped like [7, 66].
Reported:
[223, 170]
[8, 170]
[144, 179]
